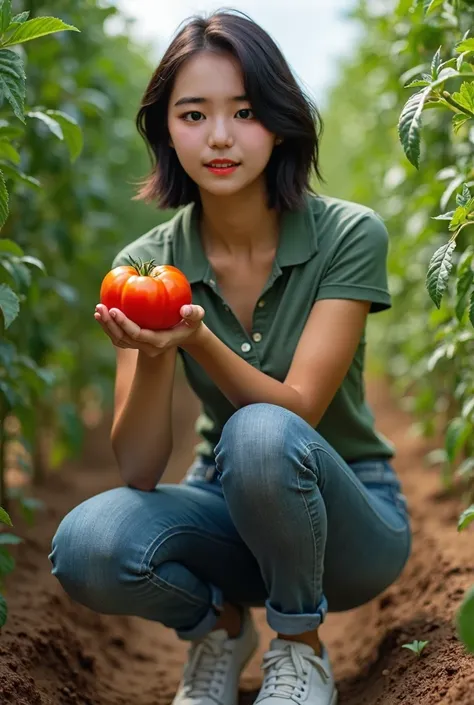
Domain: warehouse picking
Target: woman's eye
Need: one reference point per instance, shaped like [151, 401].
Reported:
[246, 112]
[195, 116]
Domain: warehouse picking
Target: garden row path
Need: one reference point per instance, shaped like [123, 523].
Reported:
[54, 652]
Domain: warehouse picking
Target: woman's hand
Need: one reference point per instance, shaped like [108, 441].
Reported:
[124, 333]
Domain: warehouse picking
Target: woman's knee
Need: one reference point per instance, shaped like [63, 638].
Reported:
[261, 450]
[96, 551]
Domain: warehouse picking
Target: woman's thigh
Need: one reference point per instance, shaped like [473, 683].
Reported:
[342, 525]
[124, 534]
[368, 530]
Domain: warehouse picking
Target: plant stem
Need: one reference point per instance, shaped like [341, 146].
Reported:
[449, 99]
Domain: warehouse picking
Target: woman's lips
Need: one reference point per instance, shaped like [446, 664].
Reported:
[222, 170]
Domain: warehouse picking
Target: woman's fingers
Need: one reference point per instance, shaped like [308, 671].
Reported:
[126, 333]
[112, 329]
[128, 327]
[192, 313]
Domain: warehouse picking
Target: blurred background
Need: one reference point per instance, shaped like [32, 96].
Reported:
[71, 209]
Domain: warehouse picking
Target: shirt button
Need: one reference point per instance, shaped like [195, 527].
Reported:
[257, 337]
[245, 347]
[212, 282]
[261, 303]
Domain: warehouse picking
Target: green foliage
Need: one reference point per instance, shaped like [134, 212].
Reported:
[416, 646]
[5, 517]
[70, 156]
[411, 159]
[7, 562]
[466, 518]
[465, 621]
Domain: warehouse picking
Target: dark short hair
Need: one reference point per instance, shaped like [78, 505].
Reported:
[276, 99]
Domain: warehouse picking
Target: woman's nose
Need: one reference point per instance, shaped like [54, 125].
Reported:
[220, 135]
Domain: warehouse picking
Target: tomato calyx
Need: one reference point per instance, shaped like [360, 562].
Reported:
[144, 269]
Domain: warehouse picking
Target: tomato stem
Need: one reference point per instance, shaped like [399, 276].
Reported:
[144, 269]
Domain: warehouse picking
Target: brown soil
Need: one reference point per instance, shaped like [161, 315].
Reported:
[54, 652]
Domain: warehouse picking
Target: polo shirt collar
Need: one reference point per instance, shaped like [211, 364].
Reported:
[298, 241]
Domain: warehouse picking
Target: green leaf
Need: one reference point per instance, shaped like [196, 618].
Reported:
[430, 6]
[4, 201]
[466, 468]
[446, 73]
[459, 217]
[12, 172]
[71, 131]
[12, 81]
[5, 518]
[462, 199]
[8, 151]
[466, 518]
[7, 562]
[465, 620]
[471, 309]
[5, 14]
[3, 611]
[10, 248]
[459, 120]
[10, 540]
[9, 304]
[457, 434]
[463, 286]
[37, 27]
[435, 63]
[466, 45]
[460, 60]
[22, 17]
[417, 83]
[34, 262]
[416, 646]
[438, 272]
[29, 506]
[409, 125]
[467, 411]
[465, 96]
[52, 125]
[444, 216]
[9, 131]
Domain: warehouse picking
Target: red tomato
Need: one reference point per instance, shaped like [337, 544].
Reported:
[150, 296]
[112, 285]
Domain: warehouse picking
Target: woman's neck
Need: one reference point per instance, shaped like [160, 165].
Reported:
[241, 224]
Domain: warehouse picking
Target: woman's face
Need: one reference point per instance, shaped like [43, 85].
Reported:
[215, 121]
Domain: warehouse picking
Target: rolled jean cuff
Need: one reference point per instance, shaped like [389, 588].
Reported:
[292, 624]
[206, 624]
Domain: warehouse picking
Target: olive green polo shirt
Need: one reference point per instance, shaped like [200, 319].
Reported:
[330, 249]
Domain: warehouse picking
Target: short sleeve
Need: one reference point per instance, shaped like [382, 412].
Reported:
[358, 267]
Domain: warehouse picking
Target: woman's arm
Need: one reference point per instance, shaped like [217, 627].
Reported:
[321, 361]
[141, 432]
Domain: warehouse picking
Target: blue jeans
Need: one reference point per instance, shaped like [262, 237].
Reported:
[281, 520]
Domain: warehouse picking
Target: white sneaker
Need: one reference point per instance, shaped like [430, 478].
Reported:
[294, 674]
[211, 675]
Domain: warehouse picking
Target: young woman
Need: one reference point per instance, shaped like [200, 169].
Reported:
[292, 501]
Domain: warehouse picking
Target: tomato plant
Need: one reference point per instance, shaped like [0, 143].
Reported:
[410, 156]
[149, 295]
[67, 143]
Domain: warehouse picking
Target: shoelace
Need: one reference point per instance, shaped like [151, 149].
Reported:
[286, 671]
[205, 665]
